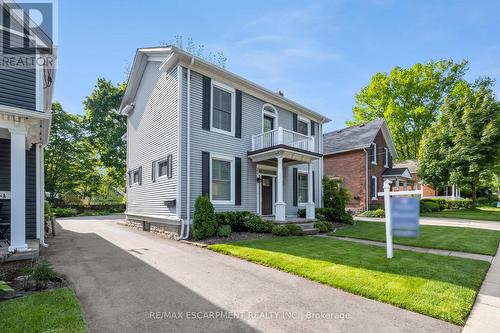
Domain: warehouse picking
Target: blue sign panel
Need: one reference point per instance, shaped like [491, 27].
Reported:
[405, 214]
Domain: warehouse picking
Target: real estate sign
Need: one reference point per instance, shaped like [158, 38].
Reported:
[405, 214]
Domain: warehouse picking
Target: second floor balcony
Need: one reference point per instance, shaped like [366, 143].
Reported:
[283, 137]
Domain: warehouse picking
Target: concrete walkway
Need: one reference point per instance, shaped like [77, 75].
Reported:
[447, 222]
[485, 315]
[417, 249]
[133, 281]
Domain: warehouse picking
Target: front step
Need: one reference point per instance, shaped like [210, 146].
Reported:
[310, 231]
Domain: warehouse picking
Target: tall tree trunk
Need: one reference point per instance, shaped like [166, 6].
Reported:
[474, 195]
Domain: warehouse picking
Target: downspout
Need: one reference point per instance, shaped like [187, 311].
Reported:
[188, 165]
[366, 179]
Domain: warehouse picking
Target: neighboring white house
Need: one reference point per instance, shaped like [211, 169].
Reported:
[25, 115]
[196, 129]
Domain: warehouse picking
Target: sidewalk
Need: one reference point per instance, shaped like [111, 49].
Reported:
[485, 315]
[417, 249]
[446, 222]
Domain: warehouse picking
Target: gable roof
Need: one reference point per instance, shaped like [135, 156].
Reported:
[357, 137]
[411, 165]
[171, 56]
[396, 172]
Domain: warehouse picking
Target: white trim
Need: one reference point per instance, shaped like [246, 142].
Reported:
[39, 106]
[305, 120]
[386, 157]
[230, 90]
[178, 197]
[259, 186]
[38, 176]
[169, 167]
[138, 178]
[299, 172]
[373, 147]
[233, 180]
[270, 114]
[375, 190]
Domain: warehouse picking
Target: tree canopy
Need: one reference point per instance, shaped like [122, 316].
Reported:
[409, 99]
[463, 144]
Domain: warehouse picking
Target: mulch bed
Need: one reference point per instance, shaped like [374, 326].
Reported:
[11, 272]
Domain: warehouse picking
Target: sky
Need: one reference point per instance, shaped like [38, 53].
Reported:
[318, 53]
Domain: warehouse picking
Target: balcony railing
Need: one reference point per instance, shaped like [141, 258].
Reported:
[283, 136]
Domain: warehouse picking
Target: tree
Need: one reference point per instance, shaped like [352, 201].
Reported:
[409, 99]
[217, 58]
[106, 126]
[462, 146]
[204, 221]
[60, 153]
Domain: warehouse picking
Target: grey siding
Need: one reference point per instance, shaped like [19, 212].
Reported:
[30, 186]
[17, 86]
[202, 140]
[152, 134]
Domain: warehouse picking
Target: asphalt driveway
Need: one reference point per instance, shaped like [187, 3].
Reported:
[134, 281]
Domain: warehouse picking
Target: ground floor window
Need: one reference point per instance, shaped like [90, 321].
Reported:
[302, 187]
[374, 188]
[222, 179]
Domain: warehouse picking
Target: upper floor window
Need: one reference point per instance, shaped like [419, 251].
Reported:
[374, 153]
[386, 157]
[269, 118]
[303, 126]
[223, 106]
[135, 176]
[222, 179]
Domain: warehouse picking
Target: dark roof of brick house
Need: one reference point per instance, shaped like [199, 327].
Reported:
[356, 137]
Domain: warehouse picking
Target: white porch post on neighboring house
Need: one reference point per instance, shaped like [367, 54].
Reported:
[310, 206]
[280, 205]
[453, 191]
[17, 189]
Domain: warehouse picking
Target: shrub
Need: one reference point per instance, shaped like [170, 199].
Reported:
[224, 230]
[280, 230]
[321, 226]
[335, 195]
[255, 223]
[374, 213]
[204, 221]
[295, 230]
[64, 212]
[235, 219]
[5, 287]
[429, 206]
[328, 214]
[301, 213]
[346, 218]
[41, 273]
[449, 204]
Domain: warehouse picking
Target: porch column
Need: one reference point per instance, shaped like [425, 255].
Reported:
[280, 205]
[310, 206]
[453, 192]
[17, 190]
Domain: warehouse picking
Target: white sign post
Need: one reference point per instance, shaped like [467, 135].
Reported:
[388, 218]
[388, 224]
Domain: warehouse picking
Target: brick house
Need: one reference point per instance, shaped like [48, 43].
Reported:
[362, 157]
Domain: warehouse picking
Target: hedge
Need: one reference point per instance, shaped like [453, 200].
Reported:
[329, 214]
[449, 204]
[112, 208]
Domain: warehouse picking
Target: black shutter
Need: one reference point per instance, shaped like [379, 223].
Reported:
[314, 187]
[130, 178]
[313, 126]
[170, 165]
[205, 173]
[372, 188]
[295, 190]
[295, 120]
[153, 171]
[140, 175]
[207, 86]
[237, 179]
[237, 119]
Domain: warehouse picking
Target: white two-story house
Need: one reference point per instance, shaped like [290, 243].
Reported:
[196, 129]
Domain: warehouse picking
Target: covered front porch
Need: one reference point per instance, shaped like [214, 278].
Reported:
[277, 153]
[21, 183]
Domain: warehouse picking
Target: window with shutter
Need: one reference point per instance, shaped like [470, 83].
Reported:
[223, 109]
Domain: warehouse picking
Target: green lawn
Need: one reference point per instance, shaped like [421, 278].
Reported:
[470, 240]
[438, 286]
[478, 213]
[47, 311]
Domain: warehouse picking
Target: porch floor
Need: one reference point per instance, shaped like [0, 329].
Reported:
[31, 253]
[294, 220]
